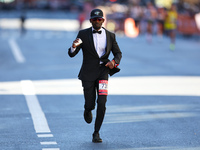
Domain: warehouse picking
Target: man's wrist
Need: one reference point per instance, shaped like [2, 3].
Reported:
[115, 65]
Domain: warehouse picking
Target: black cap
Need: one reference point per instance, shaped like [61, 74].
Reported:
[96, 13]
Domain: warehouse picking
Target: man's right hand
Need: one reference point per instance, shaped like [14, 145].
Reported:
[75, 43]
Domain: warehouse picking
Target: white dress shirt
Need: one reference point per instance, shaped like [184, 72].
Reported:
[99, 42]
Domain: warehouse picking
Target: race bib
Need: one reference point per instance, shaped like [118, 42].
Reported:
[103, 87]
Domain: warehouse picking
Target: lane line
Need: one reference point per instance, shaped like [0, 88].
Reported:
[38, 116]
[51, 149]
[45, 135]
[48, 143]
[16, 51]
[43, 24]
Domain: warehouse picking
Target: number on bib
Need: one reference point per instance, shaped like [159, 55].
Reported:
[103, 87]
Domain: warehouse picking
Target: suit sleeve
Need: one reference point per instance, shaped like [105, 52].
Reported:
[72, 54]
[116, 50]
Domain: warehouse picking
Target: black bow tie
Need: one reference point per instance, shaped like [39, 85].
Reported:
[95, 31]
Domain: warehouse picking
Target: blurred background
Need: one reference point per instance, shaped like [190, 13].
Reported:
[126, 17]
[154, 102]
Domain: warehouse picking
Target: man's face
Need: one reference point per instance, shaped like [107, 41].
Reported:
[97, 23]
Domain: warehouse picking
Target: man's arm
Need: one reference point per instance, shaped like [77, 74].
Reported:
[75, 48]
[116, 52]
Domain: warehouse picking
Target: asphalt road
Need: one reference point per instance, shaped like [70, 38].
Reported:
[154, 102]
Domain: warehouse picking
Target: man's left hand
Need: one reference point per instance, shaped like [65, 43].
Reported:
[110, 64]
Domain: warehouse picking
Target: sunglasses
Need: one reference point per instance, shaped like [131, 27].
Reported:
[95, 19]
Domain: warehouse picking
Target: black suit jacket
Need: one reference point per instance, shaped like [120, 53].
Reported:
[90, 66]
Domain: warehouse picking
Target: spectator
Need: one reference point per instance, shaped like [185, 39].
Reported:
[150, 15]
[160, 21]
[22, 19]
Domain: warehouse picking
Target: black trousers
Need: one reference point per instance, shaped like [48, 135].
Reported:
[91, 90]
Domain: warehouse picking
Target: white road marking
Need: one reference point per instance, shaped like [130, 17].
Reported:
[48, 143]
[155, 85]
[38, 117]
[43, 24]
[126, 118]
[45, 135]
[145, 85]
[51, 149]
[126, 113]
[16, 51]
[149, 108]
[162, 148]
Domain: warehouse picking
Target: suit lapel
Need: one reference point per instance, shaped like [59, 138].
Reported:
[93, 50]
[107, 43]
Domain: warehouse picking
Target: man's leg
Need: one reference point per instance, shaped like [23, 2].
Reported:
[90, 97]
[101, 103]
[101, 109]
